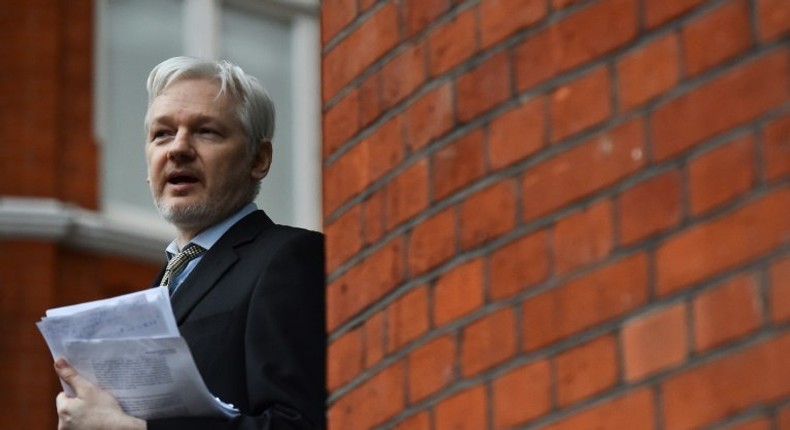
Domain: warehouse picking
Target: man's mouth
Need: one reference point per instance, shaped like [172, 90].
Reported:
[182, 178]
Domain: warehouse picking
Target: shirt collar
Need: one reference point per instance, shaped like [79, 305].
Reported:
[208, 237]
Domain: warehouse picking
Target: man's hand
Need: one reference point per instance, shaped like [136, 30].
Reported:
[92, 408]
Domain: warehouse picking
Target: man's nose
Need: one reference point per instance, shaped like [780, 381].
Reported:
[181, 147]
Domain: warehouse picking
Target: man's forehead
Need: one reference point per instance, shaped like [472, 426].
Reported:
[201, 95]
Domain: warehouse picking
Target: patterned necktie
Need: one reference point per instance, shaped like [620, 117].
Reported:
[177, 264]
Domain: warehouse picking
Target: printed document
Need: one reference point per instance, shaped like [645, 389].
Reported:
[130, 346]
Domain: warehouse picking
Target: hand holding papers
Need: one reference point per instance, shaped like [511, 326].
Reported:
[131, 347]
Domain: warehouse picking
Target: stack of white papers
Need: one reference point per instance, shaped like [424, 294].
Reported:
[130, 346]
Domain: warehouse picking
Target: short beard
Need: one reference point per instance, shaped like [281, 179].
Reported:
[198, 216]
[193, 217]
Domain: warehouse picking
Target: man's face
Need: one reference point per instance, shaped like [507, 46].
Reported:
[198, 165]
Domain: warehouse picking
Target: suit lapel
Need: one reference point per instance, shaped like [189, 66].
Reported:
[216, 262]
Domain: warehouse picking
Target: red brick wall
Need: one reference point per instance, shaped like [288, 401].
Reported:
[47, 150]
[59, 277]
[557, 214]
[47, 147]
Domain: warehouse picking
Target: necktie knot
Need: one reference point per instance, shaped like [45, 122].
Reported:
[179, 262]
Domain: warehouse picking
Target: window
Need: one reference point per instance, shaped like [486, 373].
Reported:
[276, 41]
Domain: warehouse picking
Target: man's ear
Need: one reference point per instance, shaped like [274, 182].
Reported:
[262, 163]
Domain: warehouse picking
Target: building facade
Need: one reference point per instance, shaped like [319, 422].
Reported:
[557, 214]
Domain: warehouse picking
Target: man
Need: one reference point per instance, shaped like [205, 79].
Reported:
[251, 305]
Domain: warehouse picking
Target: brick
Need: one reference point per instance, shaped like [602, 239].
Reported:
[721, 174]
[341, 122]
[773, 18]
[336, 14]
[783, 420]
[650, 207]
[458, 292]
[517, 133]
[585, 302]
[759, 423]
[780, 291]
[118, 275]
[27, 360]
[73, 269]
[366, 4]
[776, 148]
[364, 283]
[581, 37]
[561, 4]
[419, 13]
[343, 238]
[429, 117]
[648, 71]
[727, 385]
[716, 36]
[502, 18]
[403, 75]
[734, 98]
[348, 176]
[488, 341]
[582, 170]
[485, 86]
[77, 148]
[419, 421]
[580, 104]
[465, 410]
[385, 148]
[31, 105]
[373, 218]
[586, 370]
[366, 162]
[521, 394]
[369, 94]
[16, 301]
[452, 43]
[727, 312]
[458, 164]
[519, 265]
[360, 49]
[344, 359]
[431, 368]
[654, 342]
[707, 249]
[658, 12]
[583, 237]
[488, 214]
[432, 242]
[407, 318]
[407, 193]
[633, 410]
[373, 332]
[373, 402]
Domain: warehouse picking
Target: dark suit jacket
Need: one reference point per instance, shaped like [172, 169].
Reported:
[252, 312]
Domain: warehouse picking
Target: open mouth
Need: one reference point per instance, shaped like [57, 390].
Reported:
[182, 178]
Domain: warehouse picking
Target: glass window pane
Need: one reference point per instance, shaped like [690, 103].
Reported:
[261, 45]
[138, 34]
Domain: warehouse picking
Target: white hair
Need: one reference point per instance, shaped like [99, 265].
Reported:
[254, 107]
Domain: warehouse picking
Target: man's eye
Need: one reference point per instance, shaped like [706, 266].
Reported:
[208, 131]
[158, 134]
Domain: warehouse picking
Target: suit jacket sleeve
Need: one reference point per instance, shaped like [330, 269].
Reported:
[284, 344]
